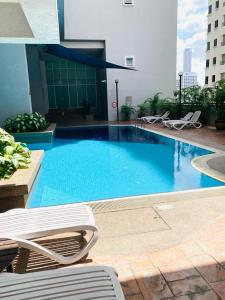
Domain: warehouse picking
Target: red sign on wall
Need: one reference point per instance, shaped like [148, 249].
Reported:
[114, 104]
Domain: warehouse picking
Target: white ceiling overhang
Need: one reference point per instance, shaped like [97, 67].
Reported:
[29, 22]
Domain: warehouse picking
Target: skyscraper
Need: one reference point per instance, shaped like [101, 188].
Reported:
[187, 60]
[189, 78]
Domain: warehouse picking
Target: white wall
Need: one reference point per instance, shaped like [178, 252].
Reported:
[14, 82]
[42, 16]
[148, 31]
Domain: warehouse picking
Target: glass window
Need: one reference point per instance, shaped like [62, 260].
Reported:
[207, 63]
[209, 27]
[214, 60]
[210, 9]
[215, 42]
[206, 80]
[213, 78]
[217, 4]
[216, 23]
[208, 45]
[129, 61]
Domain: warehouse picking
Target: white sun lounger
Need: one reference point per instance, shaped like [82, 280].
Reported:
[169, 123]
[154, 119]
[99, 283]
[23, 225]
[193, 122]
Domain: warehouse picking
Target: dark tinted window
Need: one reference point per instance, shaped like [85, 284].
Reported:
[206, 80]
[209, 28]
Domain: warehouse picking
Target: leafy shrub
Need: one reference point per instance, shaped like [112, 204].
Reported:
[26, 123]
[142, 109]
[127, 111]
[13, 155]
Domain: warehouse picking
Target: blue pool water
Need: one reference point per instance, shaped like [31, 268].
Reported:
[103, 162]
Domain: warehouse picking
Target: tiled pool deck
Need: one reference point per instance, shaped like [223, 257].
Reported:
[171, 249]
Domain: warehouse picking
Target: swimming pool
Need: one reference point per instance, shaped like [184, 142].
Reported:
[105, 162]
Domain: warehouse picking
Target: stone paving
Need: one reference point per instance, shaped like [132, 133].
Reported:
[195, 269]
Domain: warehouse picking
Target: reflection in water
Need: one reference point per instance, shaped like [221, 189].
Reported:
[102, 162]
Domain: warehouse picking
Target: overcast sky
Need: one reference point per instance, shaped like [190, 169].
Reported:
[192, 27]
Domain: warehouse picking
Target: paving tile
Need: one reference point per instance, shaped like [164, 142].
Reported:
[209, 268]
[166, 257]
[127, 280]
[192, 285]
[208, 295]
[190, 248]
[141, 264]
[136, 297]
[152, 284]
[219, 257]
[180, 270]
[219, 288]
[210, 246]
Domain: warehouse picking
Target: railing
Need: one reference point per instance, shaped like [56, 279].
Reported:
[222, 62]
[222, 43]
[223, 24]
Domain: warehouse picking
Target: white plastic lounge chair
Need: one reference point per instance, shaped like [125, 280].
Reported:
[169, 123]
[71, 283]
[193, 122]
[22, 225]
[157, 118]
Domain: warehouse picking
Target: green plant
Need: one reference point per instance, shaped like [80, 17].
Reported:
[127, 111]
[142, 110]
[220, 99]
[168, 104]
[13, 155]
[153, 102]
[26, 123]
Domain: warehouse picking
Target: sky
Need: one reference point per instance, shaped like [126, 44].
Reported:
[192, 27]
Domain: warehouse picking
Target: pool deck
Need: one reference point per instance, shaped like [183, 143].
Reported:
[171, 247]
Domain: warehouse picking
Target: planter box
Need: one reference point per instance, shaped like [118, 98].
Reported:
[14, 191]
[36, 137]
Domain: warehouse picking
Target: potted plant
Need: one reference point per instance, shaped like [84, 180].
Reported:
[127, 111]
[220, 105]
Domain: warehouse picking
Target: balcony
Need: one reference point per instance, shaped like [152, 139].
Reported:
[223, 43]
[223, 24]
[222, 62]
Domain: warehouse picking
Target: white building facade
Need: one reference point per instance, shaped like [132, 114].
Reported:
[215, 55]
[137, 34]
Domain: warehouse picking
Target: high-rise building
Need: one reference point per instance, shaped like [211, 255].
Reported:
[189, 78]
[215, 55]
[187, 60]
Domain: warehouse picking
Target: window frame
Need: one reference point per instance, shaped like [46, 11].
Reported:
[130, 57]
[128, 4]
[216, 25]
[209, 28]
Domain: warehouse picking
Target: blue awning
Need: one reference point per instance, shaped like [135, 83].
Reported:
[81, 58]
